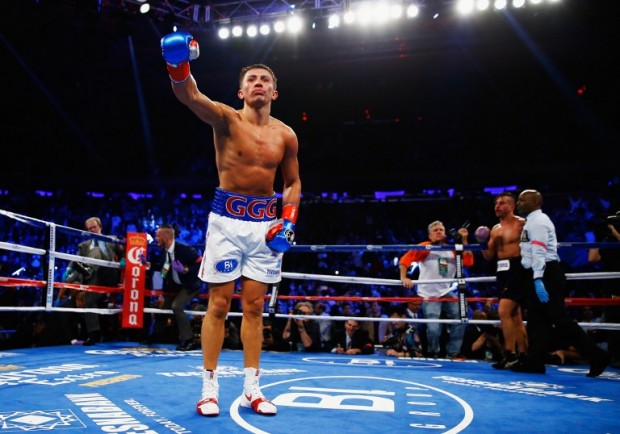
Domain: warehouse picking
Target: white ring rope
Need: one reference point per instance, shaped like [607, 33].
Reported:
[23, 249]
[394, 282]
[290, 275]
[87, 260]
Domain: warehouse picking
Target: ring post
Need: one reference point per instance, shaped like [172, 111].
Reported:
[460, 280]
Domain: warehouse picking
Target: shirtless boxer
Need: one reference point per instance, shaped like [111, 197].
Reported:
[244, 240]
[504, 242]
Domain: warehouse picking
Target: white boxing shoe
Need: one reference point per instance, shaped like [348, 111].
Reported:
[252, 397]
[208, 405]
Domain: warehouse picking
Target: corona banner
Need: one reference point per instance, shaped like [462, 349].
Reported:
[135, 277]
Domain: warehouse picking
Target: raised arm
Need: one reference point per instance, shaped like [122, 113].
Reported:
[178, 49]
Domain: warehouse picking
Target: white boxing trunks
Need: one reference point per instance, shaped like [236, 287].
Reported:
[235, 244]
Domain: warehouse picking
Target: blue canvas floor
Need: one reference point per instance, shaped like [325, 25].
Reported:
[126, 387]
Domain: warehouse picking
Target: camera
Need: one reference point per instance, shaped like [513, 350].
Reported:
[455, 236]
[602, 231]
[267, 333]
[297, 312]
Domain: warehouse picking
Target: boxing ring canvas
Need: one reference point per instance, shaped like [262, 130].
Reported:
[131, 388]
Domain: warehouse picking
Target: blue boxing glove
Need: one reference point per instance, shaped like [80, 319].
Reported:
[281, 235]
[541, 292]
[67, 273]
[178, 49]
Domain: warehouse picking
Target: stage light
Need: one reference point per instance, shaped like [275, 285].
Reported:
[535, 2]
[349, 17]
[237, 31]
[412, 11]
[396, 11]
[364, 14]
[144, 8]
[500, 4]
[279, 26]
[251, 30]
[223, 33]
[264, 29]
[333, 21]
[465, 7]
[482, 5]
[518, 3]
[294, 24]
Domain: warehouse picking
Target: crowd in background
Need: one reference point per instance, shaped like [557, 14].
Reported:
[327, 219]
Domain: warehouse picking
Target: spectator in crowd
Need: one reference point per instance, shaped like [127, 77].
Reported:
[545, 296]
[414, 311]
[503, 245]
[609, 260]
[232, 341]
[178, 263]
[402, 338]
[438, 264]
[303, 334]
[272, 337]
[73, 326]
[354, 340]
[482, 341]
[97, 275]
[325, 325]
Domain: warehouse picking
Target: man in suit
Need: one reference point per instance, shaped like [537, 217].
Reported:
[89, 274]
[354, 340]
[178, 263]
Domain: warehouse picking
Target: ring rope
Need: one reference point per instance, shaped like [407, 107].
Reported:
[395, 282]
[20, 248]
[301, 276]
[404, 247]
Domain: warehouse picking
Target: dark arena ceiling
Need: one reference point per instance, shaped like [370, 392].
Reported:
[524, 96]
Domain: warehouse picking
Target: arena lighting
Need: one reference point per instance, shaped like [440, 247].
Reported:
[251, 30]
[482, 5]
[294, 24]
[349, 17]
[500, 4]
[382, 195]
[333, 21]
[264, 29]
[465, 7]
[237, 31]
[413, 11]
[373, 13]
[279, 26]
[396, 11]
[223, 33]
[363, 13]
[144, 8]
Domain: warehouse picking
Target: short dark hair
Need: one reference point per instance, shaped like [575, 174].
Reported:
[245, 69]
[509, 194]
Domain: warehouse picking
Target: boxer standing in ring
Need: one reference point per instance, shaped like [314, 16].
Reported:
[244, 240]
[511, 276]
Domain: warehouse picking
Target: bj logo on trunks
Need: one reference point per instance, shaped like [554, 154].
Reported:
[226, 265]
